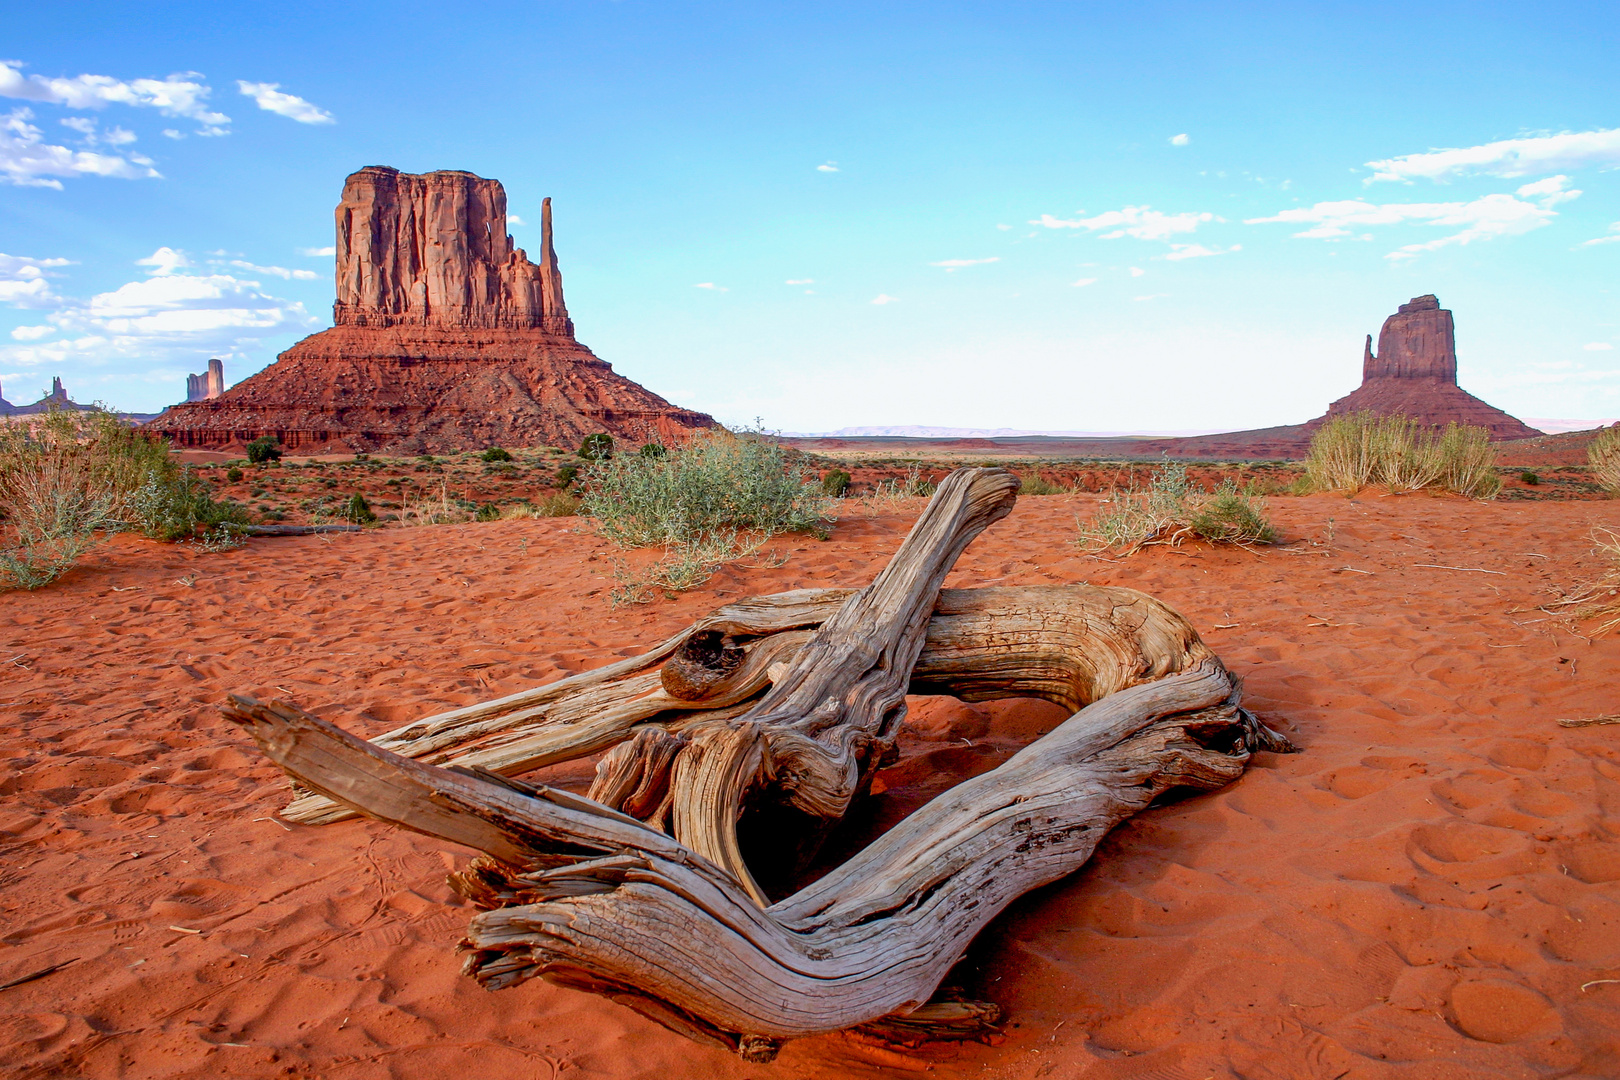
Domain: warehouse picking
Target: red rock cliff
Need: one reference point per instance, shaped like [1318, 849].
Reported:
[447, 338]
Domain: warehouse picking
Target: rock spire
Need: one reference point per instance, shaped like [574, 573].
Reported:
[210, 384]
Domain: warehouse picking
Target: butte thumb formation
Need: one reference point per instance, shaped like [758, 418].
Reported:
[446, 337]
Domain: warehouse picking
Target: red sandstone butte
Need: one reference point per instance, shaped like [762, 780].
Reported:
[447, 338]
[1415, 373]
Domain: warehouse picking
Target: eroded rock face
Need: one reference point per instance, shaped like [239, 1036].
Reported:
[210, 384]
[447, 338]
[432, 250]
[1414, 373]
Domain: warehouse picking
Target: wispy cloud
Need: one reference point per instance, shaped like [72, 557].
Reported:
[268, 96]
[31, 333]
[316, 253]
[800, 281]
[1196, 251]
[165, 261]
[1137, 271]
[711, 286]
[1485, 218]
[279, 271]
[1597, 346]
[952, 265]
[829, 166]
[1142, 222]
[27, 160]
[184, 94]
[1527, 156]
[1612, 238]
[1179, 140]
[1083, 282]
[884, 298]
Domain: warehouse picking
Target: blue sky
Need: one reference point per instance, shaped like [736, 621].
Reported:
[1100, 217]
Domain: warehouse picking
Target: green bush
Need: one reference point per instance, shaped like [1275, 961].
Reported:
[1529, 477]
[233, 475]
[565, 476]
[358, 510]
[495, 453]
[488, 512]
[835, 483]
[598, 447]
[1603, 454]
[174, 505]
[653, 450]
[1035, 484]
[1171, 509]
[264, 449]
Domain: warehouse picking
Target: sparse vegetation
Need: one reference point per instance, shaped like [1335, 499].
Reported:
[1529, 477]
[495, 453]
[1604, 457]
[1352, 452]
[233, 475]
[598, 447]
[1170, 510]
[716, 499]
[1598, 599]
[653, 450]
[1035, 484]
[358, 510]
[265, 449]
[565, 476]
[835, 483]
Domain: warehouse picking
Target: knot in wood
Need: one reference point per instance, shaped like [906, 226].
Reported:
[701, 665]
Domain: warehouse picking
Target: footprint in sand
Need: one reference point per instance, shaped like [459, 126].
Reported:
[1496, 1011]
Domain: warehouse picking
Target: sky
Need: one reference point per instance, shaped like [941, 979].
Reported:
[1035, 216]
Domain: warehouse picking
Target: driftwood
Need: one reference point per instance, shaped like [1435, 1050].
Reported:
[779, 710]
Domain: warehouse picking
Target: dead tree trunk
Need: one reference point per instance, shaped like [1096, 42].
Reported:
[791, 701]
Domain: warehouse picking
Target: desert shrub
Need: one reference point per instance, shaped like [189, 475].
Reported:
[1035, 484]
[835, 483]
[358, 510]
[712, 501]
[1529, 477]
[1234, 516]
[1170, 510]
[265, 449]
[717, 481]
[488, 512]
[1599, 598]
[1603, 454]
[565, 476]
[558, 504]
[233, 475]
[172, 504]
[888, 493]
[598, 447]
[653, 450]
[1357, 450]
[495, 453]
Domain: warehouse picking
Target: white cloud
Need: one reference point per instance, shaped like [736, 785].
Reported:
[1137, 271]
[511, 219]
[800, 281]
[1597, 346]
[27, 160]
[1005, 228]
[1196, 251]
[23, 281]
[320, 252]
[164, 261]
[278, 271]
[1083, 282]
[831, 166]
[884, 298]
[32, 333]
[1142, 222]
[1612, 238]
[711, 286]
[269, 97]
[1484, 218]
[183, 94]
[1179, 140]
[952, 265]
[1508, 158]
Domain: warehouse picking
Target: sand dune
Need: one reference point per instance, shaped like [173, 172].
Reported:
[1430, 890]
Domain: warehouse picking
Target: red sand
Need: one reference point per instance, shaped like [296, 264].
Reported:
[1422, 893]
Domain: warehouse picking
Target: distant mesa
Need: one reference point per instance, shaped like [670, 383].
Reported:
[56, 399]
[210, 384]
[446, 337]
[1415, 373]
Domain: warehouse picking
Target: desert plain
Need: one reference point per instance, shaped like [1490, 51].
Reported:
[1429, 889]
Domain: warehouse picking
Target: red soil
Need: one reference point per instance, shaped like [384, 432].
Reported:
[1429, 890]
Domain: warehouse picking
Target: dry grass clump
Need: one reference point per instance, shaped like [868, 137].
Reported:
[1604, 456]
[1362, 449]
[713, 501]
[1035, 484]
[557, 504]
[1171, 510]
[68, 476]
[1598, 599]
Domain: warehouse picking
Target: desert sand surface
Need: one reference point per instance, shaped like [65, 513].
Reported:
[1431, 889]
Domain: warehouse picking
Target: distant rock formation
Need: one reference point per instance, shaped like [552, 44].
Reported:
[1415, 373]
[56, 399]
[210, 384]
[447, 338]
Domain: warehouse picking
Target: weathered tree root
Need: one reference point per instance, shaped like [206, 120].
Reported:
[594, 893]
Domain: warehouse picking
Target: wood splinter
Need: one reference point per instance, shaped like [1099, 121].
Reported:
[786, 706]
